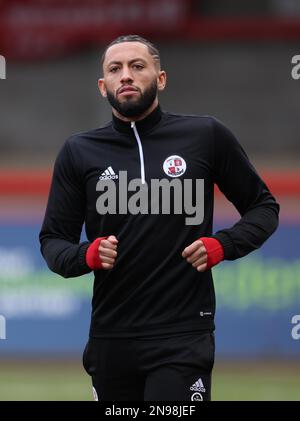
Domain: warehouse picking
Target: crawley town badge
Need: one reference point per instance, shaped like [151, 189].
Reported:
[174, 166]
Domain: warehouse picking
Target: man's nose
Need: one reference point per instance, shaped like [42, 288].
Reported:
[126, 75]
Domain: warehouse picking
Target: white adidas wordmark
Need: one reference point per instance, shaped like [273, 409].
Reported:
[108, 174]
[198, 386]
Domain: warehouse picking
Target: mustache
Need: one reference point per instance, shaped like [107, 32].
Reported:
[129, 86]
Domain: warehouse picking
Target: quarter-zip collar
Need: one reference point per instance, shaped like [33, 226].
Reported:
[143, 126]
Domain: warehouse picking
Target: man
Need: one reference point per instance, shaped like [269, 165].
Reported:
[151, 334]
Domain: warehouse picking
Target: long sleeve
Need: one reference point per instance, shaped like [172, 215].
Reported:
[240, 183]
[62, 226]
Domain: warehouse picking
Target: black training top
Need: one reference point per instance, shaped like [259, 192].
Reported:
[152, 290]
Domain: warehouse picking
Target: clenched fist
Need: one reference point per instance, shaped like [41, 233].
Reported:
[196, 254]
[108, 252]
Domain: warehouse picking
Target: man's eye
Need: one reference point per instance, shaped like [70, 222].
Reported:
[113, 69]
[138, 66]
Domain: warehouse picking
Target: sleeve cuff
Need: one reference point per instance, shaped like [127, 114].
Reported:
[81, 257]
[227, 243]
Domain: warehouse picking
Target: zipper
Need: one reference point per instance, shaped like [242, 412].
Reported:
[136, 134]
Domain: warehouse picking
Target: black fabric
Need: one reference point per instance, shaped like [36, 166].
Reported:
[143, 126]
[152, 289]
[175, 368]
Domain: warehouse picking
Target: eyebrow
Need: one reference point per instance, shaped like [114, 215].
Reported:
[130, 61]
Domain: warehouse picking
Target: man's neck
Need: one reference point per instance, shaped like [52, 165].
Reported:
[137, 118]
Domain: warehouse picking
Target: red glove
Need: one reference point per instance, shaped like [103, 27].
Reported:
[92, 257]
[214, 249]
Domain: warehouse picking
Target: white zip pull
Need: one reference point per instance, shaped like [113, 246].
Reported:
[136, 134]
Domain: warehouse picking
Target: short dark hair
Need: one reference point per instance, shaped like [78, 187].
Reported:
[134, 38]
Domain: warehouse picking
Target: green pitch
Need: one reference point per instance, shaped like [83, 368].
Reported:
[63, 380]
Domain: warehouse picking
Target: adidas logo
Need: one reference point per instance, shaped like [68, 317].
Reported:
[198, 386]
[108, 174]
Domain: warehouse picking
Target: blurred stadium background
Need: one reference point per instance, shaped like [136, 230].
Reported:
[228, 58]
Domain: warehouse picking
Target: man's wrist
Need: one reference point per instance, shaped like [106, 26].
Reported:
[92, 256]
[214, 249]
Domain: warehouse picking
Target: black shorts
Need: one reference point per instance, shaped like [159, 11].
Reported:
[174, 368]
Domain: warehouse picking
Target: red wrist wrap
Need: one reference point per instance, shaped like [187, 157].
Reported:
[214, 249]
[92, 257]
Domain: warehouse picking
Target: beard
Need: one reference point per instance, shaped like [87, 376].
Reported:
[134, 107]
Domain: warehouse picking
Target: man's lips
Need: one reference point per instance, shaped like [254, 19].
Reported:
[127, 90]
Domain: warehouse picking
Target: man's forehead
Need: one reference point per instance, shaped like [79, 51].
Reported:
[126, 51]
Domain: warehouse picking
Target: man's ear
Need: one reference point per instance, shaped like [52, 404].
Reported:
[161, 80]
[102, 88]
